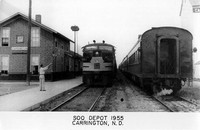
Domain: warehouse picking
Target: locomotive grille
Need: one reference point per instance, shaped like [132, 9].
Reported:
[96, 65]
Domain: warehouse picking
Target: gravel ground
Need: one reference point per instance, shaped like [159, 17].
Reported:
[191, 92]
[124, 97]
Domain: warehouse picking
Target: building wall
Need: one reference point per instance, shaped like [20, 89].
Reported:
[59, 49]
[17, 62]
[18, 59]
[46, 48]
[54, 48]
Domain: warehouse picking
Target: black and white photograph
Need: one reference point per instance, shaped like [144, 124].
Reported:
[99, 64]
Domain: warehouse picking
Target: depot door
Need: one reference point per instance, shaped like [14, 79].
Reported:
[4, 64]
[168, 56]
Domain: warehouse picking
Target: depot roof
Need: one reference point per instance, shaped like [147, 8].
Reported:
[20, 15]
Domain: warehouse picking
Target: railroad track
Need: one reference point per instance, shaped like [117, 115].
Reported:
[161, 102]
[84, 100]
[187, 100]
[177, 104]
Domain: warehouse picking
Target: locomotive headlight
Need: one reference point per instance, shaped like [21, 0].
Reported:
[97, 53]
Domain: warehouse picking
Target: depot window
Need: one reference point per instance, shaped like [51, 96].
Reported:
[35, 37]
[5, 36]
[20, 38]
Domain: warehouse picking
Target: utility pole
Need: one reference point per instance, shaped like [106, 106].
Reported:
[29, 45]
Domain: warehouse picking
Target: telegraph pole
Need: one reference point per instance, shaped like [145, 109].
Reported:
[29, 45]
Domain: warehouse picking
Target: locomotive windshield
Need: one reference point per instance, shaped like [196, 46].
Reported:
[104, 51]
[91, 48]
[103, 48]
[108, 48]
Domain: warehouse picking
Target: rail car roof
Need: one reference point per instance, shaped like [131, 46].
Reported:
[167, 27]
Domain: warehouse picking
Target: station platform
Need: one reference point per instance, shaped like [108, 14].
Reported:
[26, 99]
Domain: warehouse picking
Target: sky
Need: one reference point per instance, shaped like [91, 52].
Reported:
[118, 22]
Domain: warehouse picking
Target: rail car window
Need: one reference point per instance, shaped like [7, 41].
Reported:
[139, 55]
[168, 56]
[136, 57]
[108, 48]
[131, 59]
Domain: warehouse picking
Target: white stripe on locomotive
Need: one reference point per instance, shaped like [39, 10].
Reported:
[91, 65]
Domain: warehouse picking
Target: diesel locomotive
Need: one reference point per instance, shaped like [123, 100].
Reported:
[99, 64]
[160, 60]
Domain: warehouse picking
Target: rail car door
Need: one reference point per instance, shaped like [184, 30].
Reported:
[168, 56]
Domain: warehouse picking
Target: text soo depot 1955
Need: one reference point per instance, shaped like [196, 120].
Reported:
[100, 120]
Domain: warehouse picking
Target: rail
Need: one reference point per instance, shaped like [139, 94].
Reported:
[97, 99]
[61, 104]
[171, 110]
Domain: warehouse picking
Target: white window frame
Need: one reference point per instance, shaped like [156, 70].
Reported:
[1, 63]
[35, 37]
[5, 35]
[20, 39]
[32, 65]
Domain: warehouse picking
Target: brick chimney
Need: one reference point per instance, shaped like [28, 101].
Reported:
[38, 18]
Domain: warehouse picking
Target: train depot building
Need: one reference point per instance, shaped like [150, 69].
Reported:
[47, 46]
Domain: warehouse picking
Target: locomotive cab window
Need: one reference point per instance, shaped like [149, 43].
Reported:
[168, 56]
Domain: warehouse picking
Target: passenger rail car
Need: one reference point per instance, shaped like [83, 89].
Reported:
[99, 64]
[161, 59]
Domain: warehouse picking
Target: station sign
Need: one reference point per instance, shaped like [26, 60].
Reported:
[196, 8]
[19, 50]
